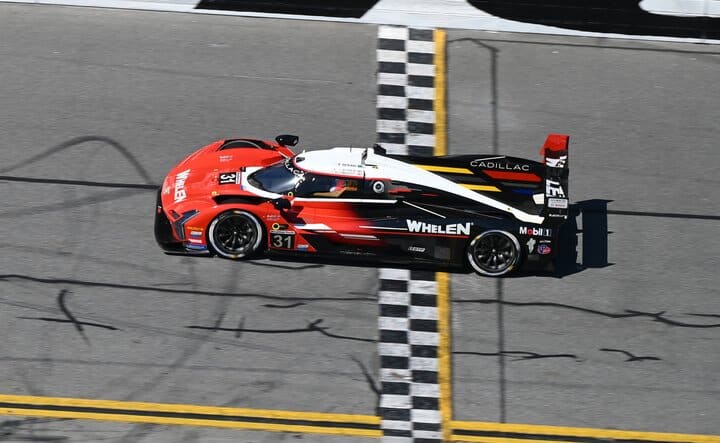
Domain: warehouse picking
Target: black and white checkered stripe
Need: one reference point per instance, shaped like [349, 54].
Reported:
[406, 90]
[408, 348]
[408, 345]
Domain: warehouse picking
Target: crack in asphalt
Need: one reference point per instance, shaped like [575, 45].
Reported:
[628, 313]
[630, 356]
[313, 326]
[521, 355]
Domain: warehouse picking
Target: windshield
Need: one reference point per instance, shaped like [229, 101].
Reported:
[279, 178]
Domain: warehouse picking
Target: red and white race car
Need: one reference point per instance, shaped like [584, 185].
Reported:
[245, 197]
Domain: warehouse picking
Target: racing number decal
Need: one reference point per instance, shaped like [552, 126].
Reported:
[282, 239]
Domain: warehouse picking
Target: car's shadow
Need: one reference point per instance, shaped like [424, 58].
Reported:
[593, 215]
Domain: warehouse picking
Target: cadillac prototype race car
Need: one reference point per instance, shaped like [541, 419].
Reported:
[241, 198]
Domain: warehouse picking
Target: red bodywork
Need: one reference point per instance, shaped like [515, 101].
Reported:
[193, 185]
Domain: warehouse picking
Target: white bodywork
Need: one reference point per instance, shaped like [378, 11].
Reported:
[365, 163]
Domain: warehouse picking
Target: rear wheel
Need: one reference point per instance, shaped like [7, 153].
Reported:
[235, 234]
[494, 253]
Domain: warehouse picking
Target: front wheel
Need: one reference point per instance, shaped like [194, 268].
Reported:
[235, 234]
[494, 253]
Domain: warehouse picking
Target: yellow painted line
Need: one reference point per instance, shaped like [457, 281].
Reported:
[440, 60]
[449, 169]
[537, 431]
[128, 418]
[165, 413]
[442, 278]
[480, 187]
[193, 409]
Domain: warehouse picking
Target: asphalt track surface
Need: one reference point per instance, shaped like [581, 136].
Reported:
[92, 309]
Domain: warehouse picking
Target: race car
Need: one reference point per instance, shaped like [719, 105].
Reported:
[245, 197]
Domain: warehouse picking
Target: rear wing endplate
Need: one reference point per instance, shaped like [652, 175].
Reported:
[555, 158]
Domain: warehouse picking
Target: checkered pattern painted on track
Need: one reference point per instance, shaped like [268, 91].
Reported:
[408, 319]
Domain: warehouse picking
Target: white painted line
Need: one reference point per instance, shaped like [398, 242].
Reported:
[392, 102]
[420, 92]
[396, 424]
[421, 140]
[423, 364]
[392, 126]
[394, 274]
[425, 416]
[393, 298]
[395, 401]
[393, 323]
[422, 287]
[420, 46]
[420, 69]
[394, 349]
[430, 435]
[398, 375]
[423, 312]
[384, 55]
[394, 32]
[389, 78]
[424, 338]
[425, 390]
[415, 115]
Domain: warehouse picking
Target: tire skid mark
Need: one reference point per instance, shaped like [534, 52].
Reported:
[125, 152]
[79, 325]
[67, 281]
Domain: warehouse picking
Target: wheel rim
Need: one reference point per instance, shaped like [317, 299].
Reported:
[493, 253]
[235, 235]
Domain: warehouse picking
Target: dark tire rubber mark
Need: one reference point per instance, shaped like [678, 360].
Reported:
[630, 356]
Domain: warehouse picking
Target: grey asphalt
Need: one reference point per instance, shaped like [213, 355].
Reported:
[643, 118]
[139, 90]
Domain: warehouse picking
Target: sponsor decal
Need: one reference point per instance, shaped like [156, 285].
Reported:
[279, 226]
[557, 203]
[554, 189]
[451, 229]
[531, 245]
[196, 241]
[544, 249]
[180, 193]
[556, 162]
[536, 232]
[272, 217]
[196, 234]
[303, 247]
[229, 178]
[225, 158]
[416, 249]
[501, 166]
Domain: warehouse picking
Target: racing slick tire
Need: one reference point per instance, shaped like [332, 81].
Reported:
[494, 253]
[235, 234]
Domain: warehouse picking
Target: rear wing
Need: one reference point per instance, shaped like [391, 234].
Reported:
[555, 158]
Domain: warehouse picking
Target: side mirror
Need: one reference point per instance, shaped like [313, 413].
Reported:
[281, 204]
[287, 140]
